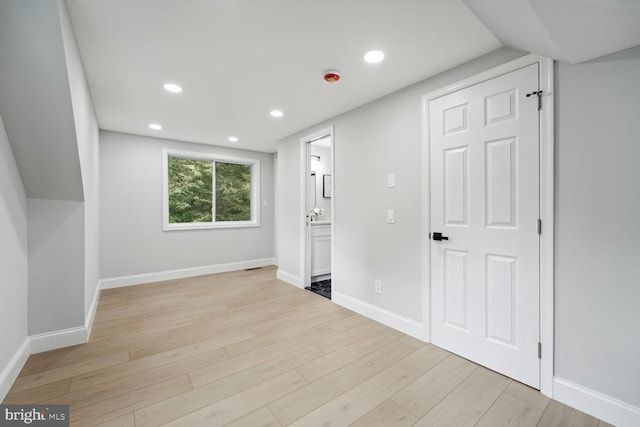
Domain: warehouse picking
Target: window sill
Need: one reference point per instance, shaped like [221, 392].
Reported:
[208, 226]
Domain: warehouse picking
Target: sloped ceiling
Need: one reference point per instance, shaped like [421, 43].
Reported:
[571, 31]
[35, 102]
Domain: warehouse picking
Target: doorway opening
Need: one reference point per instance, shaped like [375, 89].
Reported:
[318, 208]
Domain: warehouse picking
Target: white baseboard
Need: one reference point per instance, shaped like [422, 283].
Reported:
[386, 317]
[58, 339]
[138, 279]
[289, 278]
[594, 403]
[13, 368]
[88, 323]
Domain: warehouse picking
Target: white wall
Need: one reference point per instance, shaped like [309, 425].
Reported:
[13, 264]
[86, 127]
[597, 289]
[369, 142]
[132, 239]
[290, 212]
[56, 265]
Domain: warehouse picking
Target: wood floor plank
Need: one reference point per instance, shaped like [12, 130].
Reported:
[131, 309]
[56, 374]
[243, 403]
[345, 338]
[79, 353]
[251, 359]
[469, 401]
[269, 335]
[128, 402]
[509, 411]
[39, 394]
[331, 362]
[137, 365]
[139, 380]
[210, 393]
[556, 414]
[109, 325]
[527, 394]
[412, 341]
[125, 420]
[429, 389]
[260, 418]
[423, 359]
[387, 414]
[308, 398]
[349, 323]
[150, 348]
[349, 406]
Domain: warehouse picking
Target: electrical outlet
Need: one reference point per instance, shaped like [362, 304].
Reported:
[378, 286]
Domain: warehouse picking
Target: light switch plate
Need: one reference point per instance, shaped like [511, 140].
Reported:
[391, 180]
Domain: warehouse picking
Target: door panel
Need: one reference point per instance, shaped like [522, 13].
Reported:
[456, 191]
[485, 199]
[456, 288]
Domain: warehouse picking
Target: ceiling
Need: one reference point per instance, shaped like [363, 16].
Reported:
[239, 59]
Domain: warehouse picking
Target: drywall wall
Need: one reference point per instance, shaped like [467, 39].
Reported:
[369, 142]
[34, 99]
[56, 265]
[132, 239]
[597, 277]
[87, 135]
[13, 263]
[290, 213]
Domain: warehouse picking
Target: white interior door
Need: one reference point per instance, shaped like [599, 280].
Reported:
[485, 200]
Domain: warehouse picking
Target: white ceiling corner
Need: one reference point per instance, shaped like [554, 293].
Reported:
[588, 29]
[571, 31]
[516, 24]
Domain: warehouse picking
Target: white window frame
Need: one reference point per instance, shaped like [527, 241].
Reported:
[255, 190]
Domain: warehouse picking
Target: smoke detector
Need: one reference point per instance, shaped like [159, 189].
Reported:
[331, 76]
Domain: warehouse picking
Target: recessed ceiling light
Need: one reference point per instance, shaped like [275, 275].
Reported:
[155, 126]
[374, 56]
[233, 139]
[276, 113]
[172, 87]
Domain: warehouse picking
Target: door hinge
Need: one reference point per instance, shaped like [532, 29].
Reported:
[539, 350]
[539, 226]
[537, 93]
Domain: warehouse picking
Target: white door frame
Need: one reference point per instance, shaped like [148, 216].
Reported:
[545, 77]
[304, 173]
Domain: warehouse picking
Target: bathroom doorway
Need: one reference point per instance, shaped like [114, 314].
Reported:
[319, 212]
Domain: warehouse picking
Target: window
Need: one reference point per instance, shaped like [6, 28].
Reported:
[210, 191]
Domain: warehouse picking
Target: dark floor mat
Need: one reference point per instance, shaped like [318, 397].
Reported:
[322, 287]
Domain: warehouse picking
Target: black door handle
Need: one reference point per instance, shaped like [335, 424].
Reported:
[439, 236]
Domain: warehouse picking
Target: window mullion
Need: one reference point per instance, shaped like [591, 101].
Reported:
[213, 192]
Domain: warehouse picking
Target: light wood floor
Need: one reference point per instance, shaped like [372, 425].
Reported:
[244, 349]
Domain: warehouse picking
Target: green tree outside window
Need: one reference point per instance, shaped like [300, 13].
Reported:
[191, 189]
